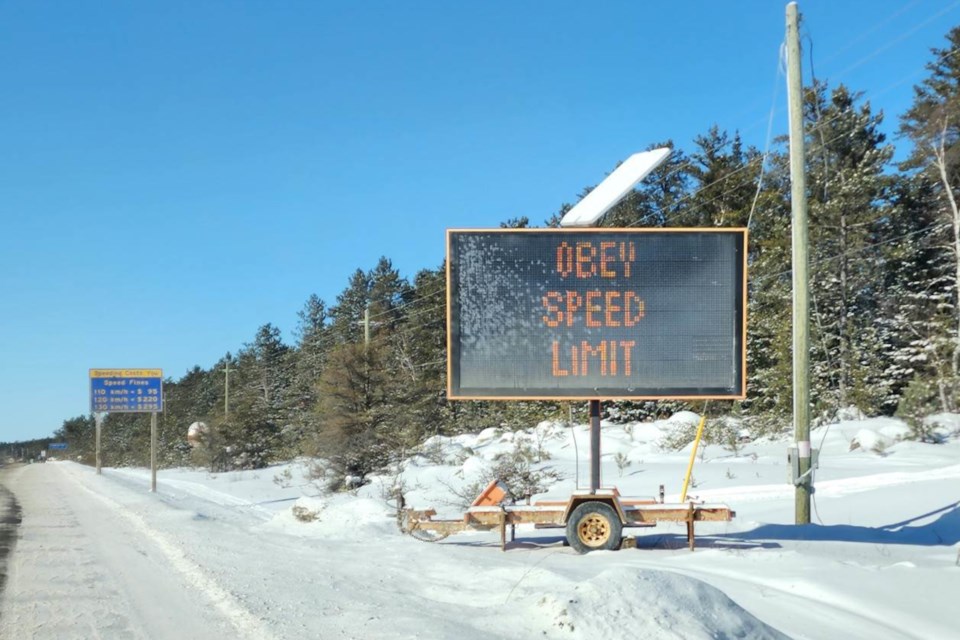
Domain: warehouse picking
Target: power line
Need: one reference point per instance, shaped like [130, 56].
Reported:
[851, 43]
[331, 339]
[819, 124]
[928, 229]
[766, 149]
[906, 34]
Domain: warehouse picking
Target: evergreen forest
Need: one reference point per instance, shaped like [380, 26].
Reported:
[885, 306]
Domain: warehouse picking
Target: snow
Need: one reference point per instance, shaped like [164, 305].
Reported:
[268, 554]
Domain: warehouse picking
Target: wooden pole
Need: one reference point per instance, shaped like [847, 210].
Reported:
[98, 421]
[366, 325]
[226, 390]
[801, 314]
[153, 452]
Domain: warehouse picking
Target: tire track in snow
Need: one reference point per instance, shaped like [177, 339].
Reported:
[245, 622]
[10, 517]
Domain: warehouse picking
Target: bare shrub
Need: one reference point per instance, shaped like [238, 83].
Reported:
[622, 462]
[515, 469]
[284, 479]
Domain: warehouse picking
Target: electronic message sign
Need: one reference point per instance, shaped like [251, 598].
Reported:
[126, 390]
[596, 314]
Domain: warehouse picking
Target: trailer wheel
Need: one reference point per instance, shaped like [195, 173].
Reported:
[594, 525]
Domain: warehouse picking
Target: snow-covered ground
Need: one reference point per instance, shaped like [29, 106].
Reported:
[223, 555]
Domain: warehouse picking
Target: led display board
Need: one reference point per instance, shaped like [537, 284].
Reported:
[562, 314]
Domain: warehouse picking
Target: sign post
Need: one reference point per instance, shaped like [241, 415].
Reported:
[153, 452]
[98, 419]
[128, 391]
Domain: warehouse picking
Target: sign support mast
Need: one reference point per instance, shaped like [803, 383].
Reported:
[587, 213]
[153, 452]
[98, 420]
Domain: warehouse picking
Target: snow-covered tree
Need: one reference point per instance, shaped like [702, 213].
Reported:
[933, 125]
[846, 158]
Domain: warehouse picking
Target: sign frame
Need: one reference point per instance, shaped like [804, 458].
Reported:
[738, 393]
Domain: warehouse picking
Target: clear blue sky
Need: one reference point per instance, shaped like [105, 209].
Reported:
[174, 175]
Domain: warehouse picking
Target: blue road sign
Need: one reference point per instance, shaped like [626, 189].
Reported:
[126, 390]
[57, 445]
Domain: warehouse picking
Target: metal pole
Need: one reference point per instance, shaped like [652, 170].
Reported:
[801, 314]
[594, 445]
[98, 421]
[153, 452]
[576, 449]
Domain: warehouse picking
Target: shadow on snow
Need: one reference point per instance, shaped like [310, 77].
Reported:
[942, 530]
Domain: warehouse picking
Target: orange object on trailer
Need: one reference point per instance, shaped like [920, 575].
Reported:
[494, 494]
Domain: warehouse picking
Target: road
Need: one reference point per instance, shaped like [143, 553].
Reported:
[81, 569]
[222, 556]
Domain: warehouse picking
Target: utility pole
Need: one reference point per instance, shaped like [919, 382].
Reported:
[801, 313]
[226, 390]
[366, 325]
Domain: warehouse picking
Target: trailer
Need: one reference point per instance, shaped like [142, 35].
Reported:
[591, 520]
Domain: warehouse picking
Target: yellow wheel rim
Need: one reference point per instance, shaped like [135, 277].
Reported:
[593, 530]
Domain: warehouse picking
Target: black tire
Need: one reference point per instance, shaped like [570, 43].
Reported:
[594, 526]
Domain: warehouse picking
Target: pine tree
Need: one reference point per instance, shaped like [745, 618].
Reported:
[258, 400]
[347, 314]
[769, 400]
[419, 351]
[918, 302]
[79, 434]
[724, 182]
[311, 333]
[846, 158]
[314, 340]
[388, 292]
[267, 365]
[933, 125]
[356, 436]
